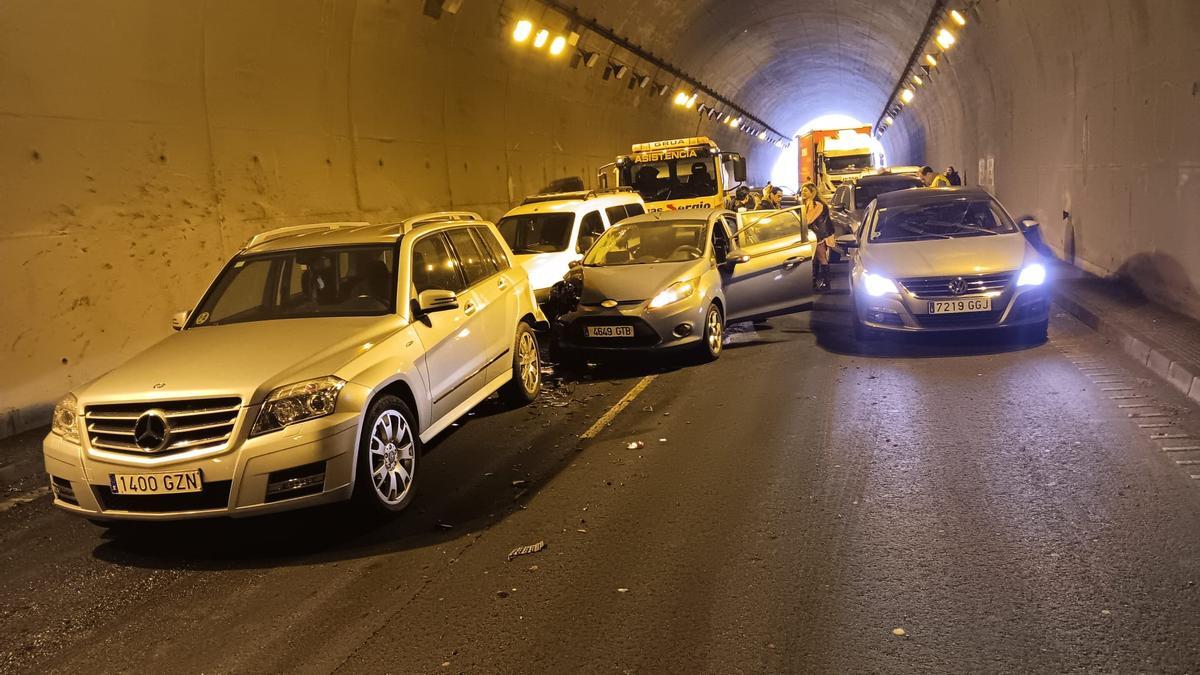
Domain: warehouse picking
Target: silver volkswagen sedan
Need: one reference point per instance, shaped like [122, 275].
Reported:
[674, 278]
[944, 259]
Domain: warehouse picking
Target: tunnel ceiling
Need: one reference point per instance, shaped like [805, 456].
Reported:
[785, 61]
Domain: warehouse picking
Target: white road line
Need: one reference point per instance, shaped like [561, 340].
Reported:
[1156, 425]
[1107, 382]
[1115, 388]
[1187, 462]
[23, 498]
[1148, 414]
[1182, 448]
[1134, 405]
[1121, 397]
[1163, 437]
[612, 412]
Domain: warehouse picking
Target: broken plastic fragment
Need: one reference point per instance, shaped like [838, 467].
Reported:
[899, 632]
[526, 550]
[635, 445]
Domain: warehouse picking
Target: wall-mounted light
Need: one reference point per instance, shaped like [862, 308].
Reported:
[642, 80]
[557, 45]
[523, 30]
[542, 37]
[681, 98]
[888, 119]
[907, 94]
[702, 108]
[589, 59]
[957, 17]
[619, 70]
[916, 79]
[734, 121]
[662, 88]
[930, 61]
[945, 39]
[691, 102]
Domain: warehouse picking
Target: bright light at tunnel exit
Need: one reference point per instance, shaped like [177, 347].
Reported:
[787, 168]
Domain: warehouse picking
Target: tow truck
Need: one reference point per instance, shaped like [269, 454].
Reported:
[682, 173]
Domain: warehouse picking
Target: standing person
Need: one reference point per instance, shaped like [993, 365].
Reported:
[744, 199]
[932, 178]
[772, 201]
[816, 218]
[952, 176]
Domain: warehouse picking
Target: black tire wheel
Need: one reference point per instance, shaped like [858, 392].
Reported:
[526, 382]
[712, 341]
[388, 451]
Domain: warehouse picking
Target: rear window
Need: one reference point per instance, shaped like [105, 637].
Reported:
[866, 192]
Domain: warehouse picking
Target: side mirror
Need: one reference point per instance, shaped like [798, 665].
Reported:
[739, 169]
[179, 320]
[1029, 224]
[574, 264]
[737, 256]
[436, 300]
[847, 241]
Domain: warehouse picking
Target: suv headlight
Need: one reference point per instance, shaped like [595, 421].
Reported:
[298, 402]
[1032, 275]
[65, 422]
[877, 285]
[675, 292]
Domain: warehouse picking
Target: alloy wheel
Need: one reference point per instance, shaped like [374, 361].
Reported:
[529, 362]
[713, 330]
[391, 457]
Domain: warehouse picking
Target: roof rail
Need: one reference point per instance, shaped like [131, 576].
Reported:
[582, 195]
[438, 217]
[279, 233]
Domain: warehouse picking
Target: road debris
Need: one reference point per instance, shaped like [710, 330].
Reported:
[622, 590]
[899, 632]
[635, 445]
[501, 594]
[445, 526]
[520, 483]
[662, 440]
[526, 550]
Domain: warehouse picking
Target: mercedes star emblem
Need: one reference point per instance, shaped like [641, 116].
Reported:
[151, 431]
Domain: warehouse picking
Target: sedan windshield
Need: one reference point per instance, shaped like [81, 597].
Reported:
[866, 191]
[650, 242]
[537, 232]
[942, 220]
[313, 282]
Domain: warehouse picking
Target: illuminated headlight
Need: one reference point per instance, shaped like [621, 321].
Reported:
[297, 403]
[1033, 275]
[66, 420]
[877, 285]
[674, 293]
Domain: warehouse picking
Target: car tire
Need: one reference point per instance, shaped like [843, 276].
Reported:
[388, 452]
[526, 382]
[712, 340]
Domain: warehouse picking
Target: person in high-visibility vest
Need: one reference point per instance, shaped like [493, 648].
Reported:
[932, 178]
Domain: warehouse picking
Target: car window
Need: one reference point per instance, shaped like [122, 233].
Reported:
[770, 227]
[635, 209]
[720, 240]
[435, 267]
[949, 219]
[475, 265]
[615, 214]
[591, 227]
[491, 245]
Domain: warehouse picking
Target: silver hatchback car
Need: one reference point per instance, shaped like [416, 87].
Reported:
[673, 279]
[944, 259]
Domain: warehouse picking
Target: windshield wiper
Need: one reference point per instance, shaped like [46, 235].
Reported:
[972, 228]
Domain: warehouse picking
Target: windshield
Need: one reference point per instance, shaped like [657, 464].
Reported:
[537, 232]
[312, 282]
[848, 163]
[674, 178]
[652, 242]
[866, 191]
[943, 220]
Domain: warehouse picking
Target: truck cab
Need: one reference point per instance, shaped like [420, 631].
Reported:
[683, 173]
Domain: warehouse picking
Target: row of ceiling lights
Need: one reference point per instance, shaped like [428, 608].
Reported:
[526, 32]
[942, 39]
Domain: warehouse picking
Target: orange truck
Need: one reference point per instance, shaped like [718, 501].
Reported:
[830, 156]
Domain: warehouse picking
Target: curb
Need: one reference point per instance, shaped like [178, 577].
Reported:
[1181, 374]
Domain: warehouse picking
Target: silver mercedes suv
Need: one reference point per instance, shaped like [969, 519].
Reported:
[311, 371]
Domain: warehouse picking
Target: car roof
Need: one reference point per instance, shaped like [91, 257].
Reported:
[573, 202]
[346, 233]
[678, 216]
[918, 196]
[887, 177]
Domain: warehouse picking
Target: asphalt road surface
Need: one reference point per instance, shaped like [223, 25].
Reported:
[802, 505]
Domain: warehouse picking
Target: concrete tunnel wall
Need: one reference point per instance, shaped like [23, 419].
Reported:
[1089, 113]
[144, 142]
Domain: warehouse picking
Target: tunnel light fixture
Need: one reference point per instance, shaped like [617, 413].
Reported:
[916, 79]
[681, 98]
[642, 80]
[691, 102]
[523, 30]
[662, 88]
[762, 135]
[620, 70]
[590, 59]
[945, 39]
[735, 121]
[558, 45]
[573, 38]
[957, 17]
[887, 120]
[541, 38]
[930, 61]
[702, 108]
[907, 94]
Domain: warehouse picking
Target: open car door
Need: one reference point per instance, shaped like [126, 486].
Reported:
[776, 276]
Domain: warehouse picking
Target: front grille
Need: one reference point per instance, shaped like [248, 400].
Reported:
[191, 425]
[939, 287]
[214, 495]
[960, 320]
[643, 334]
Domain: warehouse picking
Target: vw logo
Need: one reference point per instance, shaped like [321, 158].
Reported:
[609, 304]
[958, 286]
[151, 431]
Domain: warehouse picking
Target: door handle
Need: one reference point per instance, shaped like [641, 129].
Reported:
[795, 260]
[469, 309]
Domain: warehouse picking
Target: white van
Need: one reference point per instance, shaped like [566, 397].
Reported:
[548, 231]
